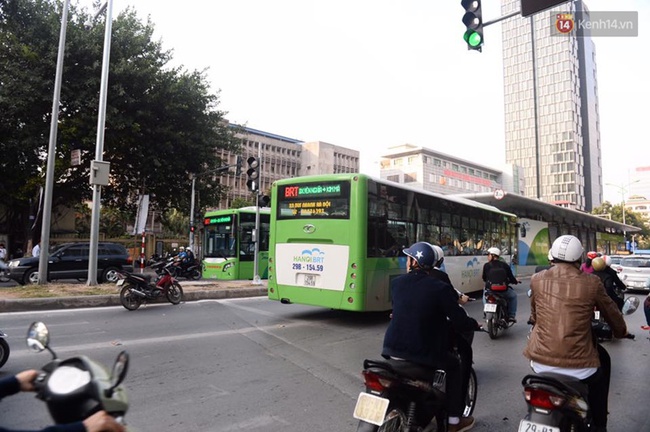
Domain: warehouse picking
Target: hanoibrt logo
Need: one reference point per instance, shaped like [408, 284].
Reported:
[309, 260]
[595, 23]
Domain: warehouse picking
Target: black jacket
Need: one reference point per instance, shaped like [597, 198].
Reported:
[419, 329]
[498, 273]
[10, 386]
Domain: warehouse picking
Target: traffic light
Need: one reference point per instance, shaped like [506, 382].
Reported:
[473, 20]
[263, 200]
[253, 173]
[239, 164]
[192, 228]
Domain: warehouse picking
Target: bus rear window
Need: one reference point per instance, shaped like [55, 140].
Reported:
[324, 200]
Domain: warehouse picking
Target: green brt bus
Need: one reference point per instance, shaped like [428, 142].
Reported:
[337, 240]
[229, 246]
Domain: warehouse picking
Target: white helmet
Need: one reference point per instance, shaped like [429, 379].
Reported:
[182, 248]
[550, 257]
[440, 253]
[567, 248]
[494, 251]
[608, 260]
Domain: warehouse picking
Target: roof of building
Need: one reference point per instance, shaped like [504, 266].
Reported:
[535, 209]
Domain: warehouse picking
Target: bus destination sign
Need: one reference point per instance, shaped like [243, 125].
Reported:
[313, 191]
[217, 220]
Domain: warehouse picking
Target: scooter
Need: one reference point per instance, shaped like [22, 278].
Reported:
[401, 396]
[4, 348]
[78, 387]
[496, 310]
[559, 403]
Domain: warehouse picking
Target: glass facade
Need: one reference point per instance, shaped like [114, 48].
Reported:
[551, 116]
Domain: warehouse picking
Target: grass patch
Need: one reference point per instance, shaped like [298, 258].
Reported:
[57, 290]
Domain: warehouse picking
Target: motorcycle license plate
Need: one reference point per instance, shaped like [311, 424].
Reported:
[490, 307]
[529, 426]
[120, 282]
[371, 409]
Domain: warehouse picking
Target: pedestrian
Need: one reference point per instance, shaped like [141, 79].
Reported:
[36, 250]
[646, 311]
[3, 256]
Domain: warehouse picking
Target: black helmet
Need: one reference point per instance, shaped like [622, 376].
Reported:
[423, 253]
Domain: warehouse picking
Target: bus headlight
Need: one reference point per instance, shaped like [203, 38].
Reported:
[227, 266]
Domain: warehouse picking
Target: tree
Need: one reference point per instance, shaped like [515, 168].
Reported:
[615, 211]
[161, 123]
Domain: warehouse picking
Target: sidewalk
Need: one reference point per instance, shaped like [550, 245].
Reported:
[192, 291]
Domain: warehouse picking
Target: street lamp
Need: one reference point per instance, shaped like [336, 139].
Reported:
[98, 164]
[49, 175]
[623, 189]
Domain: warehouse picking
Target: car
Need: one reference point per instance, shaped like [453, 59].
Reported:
[616, 261]
[70, 261]
[635, 272]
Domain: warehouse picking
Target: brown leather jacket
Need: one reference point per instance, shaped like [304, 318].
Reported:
[562, 306]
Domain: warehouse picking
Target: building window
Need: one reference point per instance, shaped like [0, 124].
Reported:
[437, 162]
[393, 178]
[410, 178]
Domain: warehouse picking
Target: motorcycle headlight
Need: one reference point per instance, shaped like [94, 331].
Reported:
[67, 379]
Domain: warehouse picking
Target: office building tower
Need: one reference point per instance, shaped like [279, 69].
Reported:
[551, 107]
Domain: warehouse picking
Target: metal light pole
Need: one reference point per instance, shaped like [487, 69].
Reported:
[193, 177]
[49, 175]
[623, 189]
[99, 148]
[256, 279]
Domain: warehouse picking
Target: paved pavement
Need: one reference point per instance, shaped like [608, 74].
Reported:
[192, 291]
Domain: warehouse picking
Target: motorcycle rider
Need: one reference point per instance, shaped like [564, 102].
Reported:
[562, 302]
[497, 272]
[423, 309]
[610, 279]
[463, 341]
[101, 421]
[586, 266]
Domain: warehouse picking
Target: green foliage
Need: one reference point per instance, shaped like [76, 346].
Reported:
[631, 218]
[162, 123]
[175, 223]
[241, 202]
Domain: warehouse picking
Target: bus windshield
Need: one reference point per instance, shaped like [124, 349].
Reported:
[330, 200]
[220, 238]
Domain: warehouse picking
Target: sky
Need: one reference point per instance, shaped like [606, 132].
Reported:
[371, 74]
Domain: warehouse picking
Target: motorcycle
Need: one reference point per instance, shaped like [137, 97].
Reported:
[78, 387]
[138, 288]
[401, 396]
[4, 348]
[496, 310]
[558, 403]
[190, 270]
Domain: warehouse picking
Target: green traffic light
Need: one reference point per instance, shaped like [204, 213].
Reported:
[473, 38]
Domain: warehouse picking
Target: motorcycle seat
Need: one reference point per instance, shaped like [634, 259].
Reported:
[402, 368]
[567, 384]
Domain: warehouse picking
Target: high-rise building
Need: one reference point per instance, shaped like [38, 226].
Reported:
[551, 107]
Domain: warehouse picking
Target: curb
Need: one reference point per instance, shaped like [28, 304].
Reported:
[26, 305]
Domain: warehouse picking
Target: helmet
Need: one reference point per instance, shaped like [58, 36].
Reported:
[440, 254]
[598, 264]
[423, 253]
[182, 248]
[550, 257]
[567, 248]
[608, 260]
[592, 254]
[494, 251]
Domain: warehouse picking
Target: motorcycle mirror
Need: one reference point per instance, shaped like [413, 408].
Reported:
[631, 305]
[120, 368]
[38, 337]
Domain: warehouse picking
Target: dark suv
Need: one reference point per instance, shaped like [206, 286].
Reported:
[70, 261]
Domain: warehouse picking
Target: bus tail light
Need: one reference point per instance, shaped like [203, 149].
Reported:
[353, 285]
[350, 300]
[353, 275]
[354, 265]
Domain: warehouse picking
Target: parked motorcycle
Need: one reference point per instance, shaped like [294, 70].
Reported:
[78, 387]
[139, 288]
[558, 403]
[4, 348]
[401, 397]
[496, 310]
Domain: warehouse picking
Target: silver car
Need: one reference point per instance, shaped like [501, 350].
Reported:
[635, 272]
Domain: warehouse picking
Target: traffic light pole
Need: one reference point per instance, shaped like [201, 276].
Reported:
[505, 17]
[193, 177]
[256, 279]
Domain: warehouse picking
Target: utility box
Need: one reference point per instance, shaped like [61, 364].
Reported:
[99, 173]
